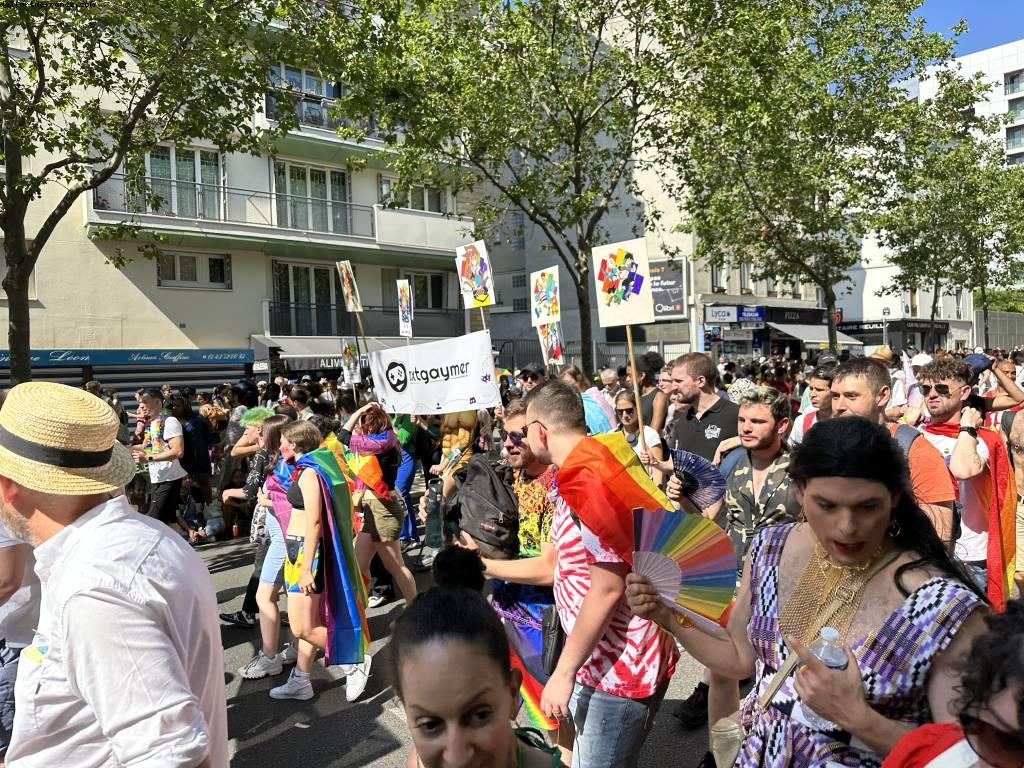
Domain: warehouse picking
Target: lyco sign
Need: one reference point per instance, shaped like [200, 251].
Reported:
[719, 315]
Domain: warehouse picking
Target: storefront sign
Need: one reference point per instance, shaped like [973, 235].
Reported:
[737, 334]
[668, 287]
[748, 314]
[813, 316]
[716, 314]
[860, 327]
[72, 358]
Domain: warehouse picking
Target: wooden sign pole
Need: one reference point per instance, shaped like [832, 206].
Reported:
[636, 389]
[483, 318]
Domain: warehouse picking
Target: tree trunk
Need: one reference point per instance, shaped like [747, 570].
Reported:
[830, 310]
[984, 312]
[16, 286]
[931, 342]
[583, 300]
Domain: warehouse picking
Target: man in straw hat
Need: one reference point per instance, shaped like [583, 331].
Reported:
[126, 666]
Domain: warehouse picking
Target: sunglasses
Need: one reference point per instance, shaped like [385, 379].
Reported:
[998, 748]
[625, 411]
[526, 428]
[517, 438]
[529, 377]
[940, 389]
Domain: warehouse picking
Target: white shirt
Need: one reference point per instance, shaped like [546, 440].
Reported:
[972, 546]
[126, 668]
[19, 616]
[166, 471]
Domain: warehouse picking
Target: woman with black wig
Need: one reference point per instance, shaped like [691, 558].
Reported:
[907, 613]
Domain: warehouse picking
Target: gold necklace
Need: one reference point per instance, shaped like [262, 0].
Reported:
[822, 581]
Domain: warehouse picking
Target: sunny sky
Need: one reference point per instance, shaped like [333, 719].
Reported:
[991, 22]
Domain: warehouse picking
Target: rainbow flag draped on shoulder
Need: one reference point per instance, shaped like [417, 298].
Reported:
[343, 607]
[603, 481]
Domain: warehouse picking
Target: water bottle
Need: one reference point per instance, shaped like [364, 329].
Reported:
[432, 537]
[828, 649]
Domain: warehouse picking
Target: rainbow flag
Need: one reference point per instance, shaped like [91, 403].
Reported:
[603, 481]
[1002, 521]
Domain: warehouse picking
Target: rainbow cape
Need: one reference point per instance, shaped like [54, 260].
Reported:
[603, 481]
[1000, 498]
[343, 607]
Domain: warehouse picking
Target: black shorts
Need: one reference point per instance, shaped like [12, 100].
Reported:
[163, 501]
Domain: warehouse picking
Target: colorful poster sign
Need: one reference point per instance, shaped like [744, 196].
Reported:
[545, 307]
[349, 287]
[623, 284]
[405, 309]
[476, 281]
[668, 288]
[350, 362]
[437, 377]
[551, 343]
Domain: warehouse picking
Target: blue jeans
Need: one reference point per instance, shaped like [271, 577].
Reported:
[272, 571]
[403, 484]
[610, 730]
[8, 673]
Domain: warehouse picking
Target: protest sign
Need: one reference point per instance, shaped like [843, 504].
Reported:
[405, 309]
[545, 307]
[551, 343]
[476, 281]
[438, 376]
[623, 284]
[348, 286]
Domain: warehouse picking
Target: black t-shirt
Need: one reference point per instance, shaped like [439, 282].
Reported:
[702, 436]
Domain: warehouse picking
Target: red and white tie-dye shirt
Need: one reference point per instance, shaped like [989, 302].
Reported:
[634, 656]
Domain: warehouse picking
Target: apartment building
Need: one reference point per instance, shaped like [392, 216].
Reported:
[245, 278]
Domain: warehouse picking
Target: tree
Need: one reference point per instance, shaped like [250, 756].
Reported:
[549, 107]
[1011, 300]
[792, 131]
[85, 87]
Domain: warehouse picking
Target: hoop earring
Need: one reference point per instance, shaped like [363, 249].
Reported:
[894, 528]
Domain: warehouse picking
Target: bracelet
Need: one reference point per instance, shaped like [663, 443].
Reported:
[973, 432]
[682, 620]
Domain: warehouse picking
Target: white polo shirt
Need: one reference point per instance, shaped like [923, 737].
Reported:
[126, 667]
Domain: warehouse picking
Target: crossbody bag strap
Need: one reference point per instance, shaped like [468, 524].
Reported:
[823, 618]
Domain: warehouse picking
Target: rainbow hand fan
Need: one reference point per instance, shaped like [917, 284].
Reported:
[689, 560]
[703, 484]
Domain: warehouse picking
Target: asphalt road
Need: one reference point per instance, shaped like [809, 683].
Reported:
[330, 732]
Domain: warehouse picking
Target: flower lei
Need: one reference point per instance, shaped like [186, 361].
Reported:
[153, 440]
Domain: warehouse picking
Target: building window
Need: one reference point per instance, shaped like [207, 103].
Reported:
[519, 280]
[770, 286]
[1017, 110]
[184, 182]
[176, 269]
[913, 304]
[520, 305]
[518, 231]
[3, 273]
[745, 277]
[719, 279]
[1015, 137]
[795, 290]
[1016, 159]
[1014, 82]
[429, 289]
[959, 303]
[416, 197]
[310, 95]
[311, 198]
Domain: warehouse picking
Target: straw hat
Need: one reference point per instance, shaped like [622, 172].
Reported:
[883, 353]
[61, 440]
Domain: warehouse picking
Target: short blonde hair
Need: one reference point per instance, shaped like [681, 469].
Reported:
[774, 400]
[304, 436]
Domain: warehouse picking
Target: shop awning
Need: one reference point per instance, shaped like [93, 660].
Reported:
[815, 334]
[301, 353]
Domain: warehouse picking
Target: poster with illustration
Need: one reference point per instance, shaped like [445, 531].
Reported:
[544, 304]
[551, 343]
[350, 362]
[476, 281]
[404, 309]
[623, 284]
[349, 287]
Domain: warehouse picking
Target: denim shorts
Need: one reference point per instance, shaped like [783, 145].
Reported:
[610, 730]
[272, 571]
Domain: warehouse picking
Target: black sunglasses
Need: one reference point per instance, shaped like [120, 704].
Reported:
[624, 411]
[526, 427]
[940, 389]
[998, 748]
[529, 377]
[517, 438]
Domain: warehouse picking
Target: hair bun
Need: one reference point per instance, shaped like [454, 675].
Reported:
[459, 567]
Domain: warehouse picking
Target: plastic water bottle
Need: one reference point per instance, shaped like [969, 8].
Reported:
[828, 649]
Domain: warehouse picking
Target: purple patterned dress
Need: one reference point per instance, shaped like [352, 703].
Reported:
[894, 662]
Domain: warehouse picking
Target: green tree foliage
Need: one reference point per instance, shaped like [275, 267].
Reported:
[549, 107]
[84, 87]
[794, 129]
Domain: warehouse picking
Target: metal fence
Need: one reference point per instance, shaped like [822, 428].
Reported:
[513, 354]
[1005, 329]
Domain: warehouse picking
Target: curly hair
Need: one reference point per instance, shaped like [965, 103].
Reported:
[995, 662]
[946, 368]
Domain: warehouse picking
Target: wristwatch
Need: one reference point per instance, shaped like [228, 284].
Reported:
[973, 432]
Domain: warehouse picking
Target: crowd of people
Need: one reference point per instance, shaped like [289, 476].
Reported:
[872, 497]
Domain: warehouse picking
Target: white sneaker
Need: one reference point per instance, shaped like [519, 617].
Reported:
[294, 688]
[289, 654]
[357, 675]
[261, 666]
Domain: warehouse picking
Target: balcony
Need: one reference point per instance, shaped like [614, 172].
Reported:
[283, 318]
[316, 112]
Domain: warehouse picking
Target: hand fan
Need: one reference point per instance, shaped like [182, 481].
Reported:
[689, 560]
[703, 484]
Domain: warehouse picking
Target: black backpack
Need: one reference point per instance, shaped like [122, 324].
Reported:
[488, 507]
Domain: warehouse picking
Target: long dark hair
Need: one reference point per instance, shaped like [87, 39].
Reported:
[852, 446]
[271, 433]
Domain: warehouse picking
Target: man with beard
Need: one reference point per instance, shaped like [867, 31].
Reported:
[758, 494]
[861, 388]
[125, 666]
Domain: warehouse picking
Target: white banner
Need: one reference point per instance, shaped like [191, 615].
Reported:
[437, 377]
